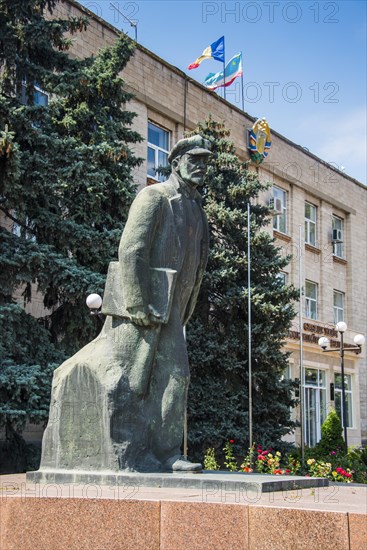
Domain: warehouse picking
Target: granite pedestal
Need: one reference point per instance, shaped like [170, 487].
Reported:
[60, 516]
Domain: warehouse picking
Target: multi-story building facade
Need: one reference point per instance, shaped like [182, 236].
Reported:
[314, 199]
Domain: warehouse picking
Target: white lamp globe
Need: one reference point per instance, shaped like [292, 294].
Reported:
[324, 342]
[341, 326]
[359, 339]
[94, 301]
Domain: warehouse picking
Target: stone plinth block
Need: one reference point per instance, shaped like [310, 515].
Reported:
[289, 529]
[62, 523]
[195, 526]
[357, 531]
[210, 483]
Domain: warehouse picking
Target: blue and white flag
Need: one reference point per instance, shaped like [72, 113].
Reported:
[232, 70]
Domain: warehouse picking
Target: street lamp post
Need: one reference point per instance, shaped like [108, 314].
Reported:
[359, 340]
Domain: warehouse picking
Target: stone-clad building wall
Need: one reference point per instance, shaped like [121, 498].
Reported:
[167, 97]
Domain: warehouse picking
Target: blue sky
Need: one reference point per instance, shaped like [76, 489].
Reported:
[304, 62]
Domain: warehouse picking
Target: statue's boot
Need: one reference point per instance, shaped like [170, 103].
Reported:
[178, 463]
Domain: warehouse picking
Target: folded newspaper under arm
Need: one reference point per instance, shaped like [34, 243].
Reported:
[162, 286]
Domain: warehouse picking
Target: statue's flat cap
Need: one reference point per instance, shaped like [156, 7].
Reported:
[195, 145]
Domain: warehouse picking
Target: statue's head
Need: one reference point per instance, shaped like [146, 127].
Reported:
[189, 158]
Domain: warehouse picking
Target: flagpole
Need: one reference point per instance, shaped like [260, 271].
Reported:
[185, 101]
[185, 416]
[301, 370]
[249, 327]
[224, 68]
[243, 102]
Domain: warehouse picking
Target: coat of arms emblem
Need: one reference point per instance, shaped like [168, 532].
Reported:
[259, 141]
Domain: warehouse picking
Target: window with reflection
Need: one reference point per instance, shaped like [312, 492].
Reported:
[310, 223]
[338, 248]
[311, 300]
[40, 97]
[283, 277]
[339, 298]
[280, 221]
[158, 149]
[314, 404]
[348, 398]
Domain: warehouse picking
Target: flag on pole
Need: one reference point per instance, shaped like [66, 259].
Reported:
[225, 78]
[214, 51]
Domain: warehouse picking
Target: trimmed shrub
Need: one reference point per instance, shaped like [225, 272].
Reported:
[331, 434]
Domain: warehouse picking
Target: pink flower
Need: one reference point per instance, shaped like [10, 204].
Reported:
[231, 440]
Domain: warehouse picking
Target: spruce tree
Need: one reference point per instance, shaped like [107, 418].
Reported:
[65, 190]
[218, 332]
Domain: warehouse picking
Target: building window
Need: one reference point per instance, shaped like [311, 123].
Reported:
[338, 306]
[310, 223]
[282, 277]
[315, 404]
[286, 373]
[40, 97]
[21, 231]
[158, 149]
[338, 248]
[280, 221]
[311, 300]
[348, 398]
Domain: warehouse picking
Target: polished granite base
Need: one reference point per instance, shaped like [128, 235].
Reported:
[207, 481]
[84, 516]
